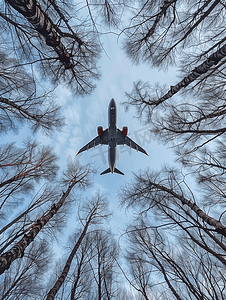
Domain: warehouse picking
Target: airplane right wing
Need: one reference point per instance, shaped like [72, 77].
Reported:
[99, 140]
[122, 140]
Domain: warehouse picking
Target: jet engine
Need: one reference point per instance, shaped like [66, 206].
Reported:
[99, 130]
[125, 130]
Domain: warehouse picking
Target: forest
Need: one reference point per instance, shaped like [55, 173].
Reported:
[175, 245]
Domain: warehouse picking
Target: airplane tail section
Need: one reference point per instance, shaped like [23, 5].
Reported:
[109, 171]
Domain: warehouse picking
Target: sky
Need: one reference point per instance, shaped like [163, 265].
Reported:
[84, 115]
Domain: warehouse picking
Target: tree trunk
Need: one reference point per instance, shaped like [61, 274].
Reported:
[200, 70]
[44, 25]
[220, 228]
[52, 293]
[18, 250]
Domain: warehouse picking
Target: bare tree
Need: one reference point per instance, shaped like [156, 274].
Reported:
[188, 125]
[47, 118]
[158, 37]
[97, 212]
[158, 30]
[45, 195]
[175, 237]
[22, 222]
[22, 101]
[25, 279]
[168, 191]
[81, 279]
[76, 175]
[104, 266]
[172, 268]
[21, 168]
[110, 11]
[56, 37]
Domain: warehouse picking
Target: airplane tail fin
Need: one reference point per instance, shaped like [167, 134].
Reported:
[109, 171]
[117, 171]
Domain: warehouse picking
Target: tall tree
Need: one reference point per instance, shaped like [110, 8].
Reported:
[104, 266]
[56, 37]
[19, 223]
[170, 33]
[172, 269]
[21, 168]
[96, 213]
[172, 236]
[81, 280]
[160, 29]
[176, 235]
[75, 175]
[22, 100]
[25, 279]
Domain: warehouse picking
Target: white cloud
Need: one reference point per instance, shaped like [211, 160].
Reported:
[72, 114]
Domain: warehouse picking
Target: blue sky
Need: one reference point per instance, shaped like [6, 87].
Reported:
[84, 115]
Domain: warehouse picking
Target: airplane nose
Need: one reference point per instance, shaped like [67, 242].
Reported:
[112, 102]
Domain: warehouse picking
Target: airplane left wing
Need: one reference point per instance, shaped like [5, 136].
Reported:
[125, 140]
[99, 140]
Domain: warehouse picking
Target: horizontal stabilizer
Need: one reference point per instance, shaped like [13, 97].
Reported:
[109, 171]
[117, 171]
[106, 171]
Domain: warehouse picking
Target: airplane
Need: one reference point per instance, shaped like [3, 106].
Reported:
[112, 136]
